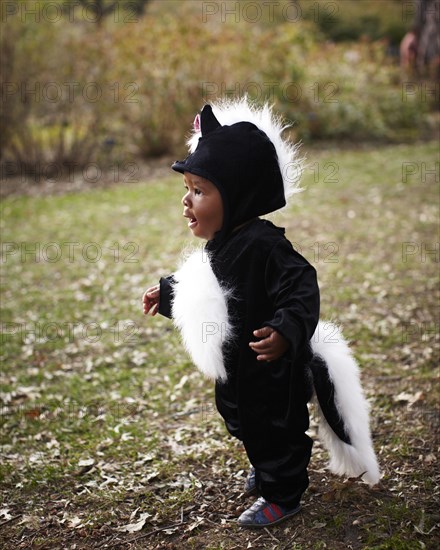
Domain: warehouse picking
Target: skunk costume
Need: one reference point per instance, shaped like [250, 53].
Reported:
[249, 276]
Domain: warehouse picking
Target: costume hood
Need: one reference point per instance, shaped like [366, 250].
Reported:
[240, 150]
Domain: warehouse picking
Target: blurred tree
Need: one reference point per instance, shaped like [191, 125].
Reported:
[138, 6]
[351, 20]
[103, 8]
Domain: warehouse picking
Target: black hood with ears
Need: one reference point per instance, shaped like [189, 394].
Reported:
[241, 161]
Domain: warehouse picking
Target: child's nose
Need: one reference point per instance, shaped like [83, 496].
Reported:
[185, 200]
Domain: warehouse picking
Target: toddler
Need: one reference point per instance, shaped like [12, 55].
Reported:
[248, 309]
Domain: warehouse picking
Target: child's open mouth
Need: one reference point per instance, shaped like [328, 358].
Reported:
[192, 223]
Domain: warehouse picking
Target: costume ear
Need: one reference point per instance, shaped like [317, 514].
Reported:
[208, 121]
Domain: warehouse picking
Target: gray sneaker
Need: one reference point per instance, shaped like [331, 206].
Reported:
[264, 514]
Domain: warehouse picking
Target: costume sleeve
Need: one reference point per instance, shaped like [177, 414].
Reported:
[292, 286]
[166, 295]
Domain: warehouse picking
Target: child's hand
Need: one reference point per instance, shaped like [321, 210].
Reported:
[151, 300]
[272, 345]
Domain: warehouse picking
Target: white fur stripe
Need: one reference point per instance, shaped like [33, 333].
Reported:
[200, 313]
[359, 457]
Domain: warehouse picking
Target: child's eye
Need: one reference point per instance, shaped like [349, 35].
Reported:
[197, 191]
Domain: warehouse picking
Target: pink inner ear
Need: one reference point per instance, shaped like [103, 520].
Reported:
[197, 123]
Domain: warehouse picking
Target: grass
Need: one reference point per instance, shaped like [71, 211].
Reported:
[104, 418]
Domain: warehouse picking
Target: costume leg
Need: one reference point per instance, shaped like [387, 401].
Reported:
[226, 402]
[273, 418]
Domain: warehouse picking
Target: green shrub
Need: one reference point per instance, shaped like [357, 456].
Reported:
[177, 65]
[355, 92]
[342, 20]
[49, 112]
[155, 74]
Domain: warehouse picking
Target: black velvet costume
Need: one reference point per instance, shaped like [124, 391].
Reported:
[264, 404]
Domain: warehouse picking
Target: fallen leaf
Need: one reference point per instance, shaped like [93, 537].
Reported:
[75, 522]
[318, 525]
[409, 397]
[86, 462]
[134, 527]
[194, 525]
[4, 513]
[33, 522]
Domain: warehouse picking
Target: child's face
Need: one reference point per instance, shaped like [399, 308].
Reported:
[203, 206]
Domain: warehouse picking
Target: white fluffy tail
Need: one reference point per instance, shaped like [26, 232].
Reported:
[343, 371]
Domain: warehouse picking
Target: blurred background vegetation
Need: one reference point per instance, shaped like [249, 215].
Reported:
[106, 81]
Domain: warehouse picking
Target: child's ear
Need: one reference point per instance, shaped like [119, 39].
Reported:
[208, 122]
